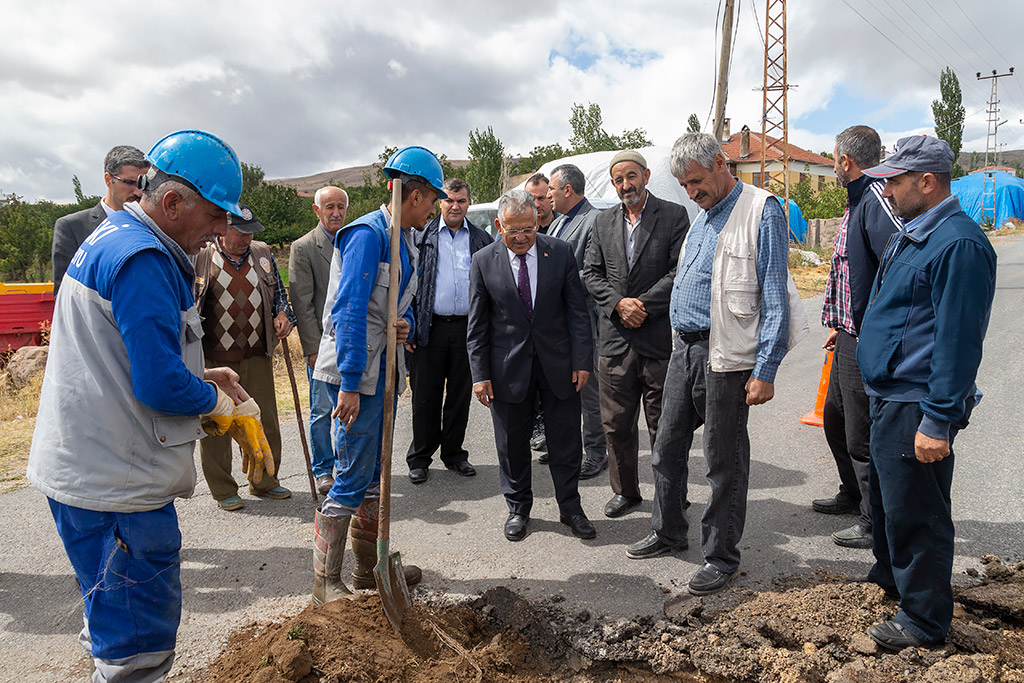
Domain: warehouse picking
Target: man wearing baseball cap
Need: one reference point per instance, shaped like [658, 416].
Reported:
[245, 312]
[919, 351]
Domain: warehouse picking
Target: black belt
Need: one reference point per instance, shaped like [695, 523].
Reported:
[451, 318]
[691, 337]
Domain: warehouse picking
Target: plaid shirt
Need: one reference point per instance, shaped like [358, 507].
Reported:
[280, 294]
[837, 309]
[690, 305]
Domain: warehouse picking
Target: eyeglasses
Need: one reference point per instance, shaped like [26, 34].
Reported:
[133, 183]
[516, 233]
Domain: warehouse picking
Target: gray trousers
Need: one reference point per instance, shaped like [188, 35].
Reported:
[693, 396]
[594, 443]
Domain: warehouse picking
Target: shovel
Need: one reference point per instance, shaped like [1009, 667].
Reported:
[298, 417]
[388, 572]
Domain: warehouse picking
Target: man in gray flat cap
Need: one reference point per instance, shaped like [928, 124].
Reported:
[629, 269]
[919, 351]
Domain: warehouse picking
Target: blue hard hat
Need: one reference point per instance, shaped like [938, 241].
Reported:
[206, 162]
[417, 161]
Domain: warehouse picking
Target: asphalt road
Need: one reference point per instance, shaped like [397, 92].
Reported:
[256, 563]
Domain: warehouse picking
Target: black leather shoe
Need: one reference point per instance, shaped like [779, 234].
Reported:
[418, 475]
[651, 546]
[463, 469]
[593, 466]
[837, 505]
[709, 579]
[857, 536]
[892, 636]
[580, 525]
[620, 505]
[515, 527]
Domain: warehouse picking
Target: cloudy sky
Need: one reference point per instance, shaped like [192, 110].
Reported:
[302, 87]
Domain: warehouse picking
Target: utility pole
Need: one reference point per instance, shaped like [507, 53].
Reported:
[722, 87]
[988, 190]
[775, 110]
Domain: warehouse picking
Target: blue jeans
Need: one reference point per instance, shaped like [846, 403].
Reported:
[128, 568]
[358, 447]
[912, 522]
[320, 425]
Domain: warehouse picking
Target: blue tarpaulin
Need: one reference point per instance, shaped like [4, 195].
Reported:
[797, 223]
[1009, 196]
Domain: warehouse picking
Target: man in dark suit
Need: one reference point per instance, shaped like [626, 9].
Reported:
[629, 269]
[567, 189]
[121, 170]
[438, 361]
[309, 272]
[529, 334]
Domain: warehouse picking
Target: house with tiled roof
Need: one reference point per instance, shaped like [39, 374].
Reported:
[743, 153]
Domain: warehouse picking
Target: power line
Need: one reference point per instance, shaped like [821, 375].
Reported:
[714, 69]
[985, 38]
[891, 41]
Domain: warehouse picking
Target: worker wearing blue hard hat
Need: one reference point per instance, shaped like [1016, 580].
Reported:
[351, 361]
[124, 400]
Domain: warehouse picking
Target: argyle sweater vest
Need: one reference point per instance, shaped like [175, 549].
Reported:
[233, 311]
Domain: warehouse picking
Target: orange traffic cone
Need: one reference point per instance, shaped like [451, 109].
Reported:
[816, 416]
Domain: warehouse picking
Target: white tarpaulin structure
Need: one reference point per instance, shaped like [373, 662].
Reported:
[599, 182]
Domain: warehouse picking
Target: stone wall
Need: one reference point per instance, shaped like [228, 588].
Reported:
[821, 232]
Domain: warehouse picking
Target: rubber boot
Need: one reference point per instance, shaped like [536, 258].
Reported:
[328, 555]
[364, 547]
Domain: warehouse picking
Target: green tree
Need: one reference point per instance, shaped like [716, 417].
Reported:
[949, 116]
[285, 215]
[693, 124]
[486, 163]
[25, 238]
[828, 202]
[589, 135]
[538, 156]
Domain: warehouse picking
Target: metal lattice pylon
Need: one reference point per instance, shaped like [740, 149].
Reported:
[988, 188]
[775, 112]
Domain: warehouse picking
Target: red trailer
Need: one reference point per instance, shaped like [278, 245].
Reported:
[26, 309]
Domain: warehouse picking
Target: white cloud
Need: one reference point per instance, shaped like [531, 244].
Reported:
[308, 86]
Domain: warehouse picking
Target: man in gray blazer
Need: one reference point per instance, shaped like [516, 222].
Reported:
[629, 269]
[121, 170]
[566, 188]
[309, 270]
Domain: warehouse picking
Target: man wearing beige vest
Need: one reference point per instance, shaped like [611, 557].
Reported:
[734, 313]
[245, 311]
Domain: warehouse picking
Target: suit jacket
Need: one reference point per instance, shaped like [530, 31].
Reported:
[309, 269]
[426, 242]
[577, 232]
[502, 340]
[609, 278]
[68, 234]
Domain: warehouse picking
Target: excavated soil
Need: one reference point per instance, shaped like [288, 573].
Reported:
[802, 632]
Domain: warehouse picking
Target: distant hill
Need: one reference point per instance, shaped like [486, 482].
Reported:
[1006, 158]
[350, 177]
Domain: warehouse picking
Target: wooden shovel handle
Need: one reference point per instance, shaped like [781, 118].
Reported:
[391, 360]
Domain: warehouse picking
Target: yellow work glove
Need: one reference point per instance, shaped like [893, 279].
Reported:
[217, 421]
[247, 431]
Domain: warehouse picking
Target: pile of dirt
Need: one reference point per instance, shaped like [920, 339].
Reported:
[812, 632]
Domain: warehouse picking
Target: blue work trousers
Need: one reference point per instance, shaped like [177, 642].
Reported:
[128, 568]
[358, 447]
[912, 521]
[321, 425]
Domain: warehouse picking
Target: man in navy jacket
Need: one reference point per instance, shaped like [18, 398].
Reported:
[867, 225]
[919, 352]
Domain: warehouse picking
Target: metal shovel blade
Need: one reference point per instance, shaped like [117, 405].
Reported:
[392, 587]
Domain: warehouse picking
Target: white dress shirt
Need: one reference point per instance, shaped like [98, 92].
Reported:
[531, 268]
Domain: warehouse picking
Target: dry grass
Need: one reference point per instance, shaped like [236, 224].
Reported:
[282, 385]
[17, 422]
